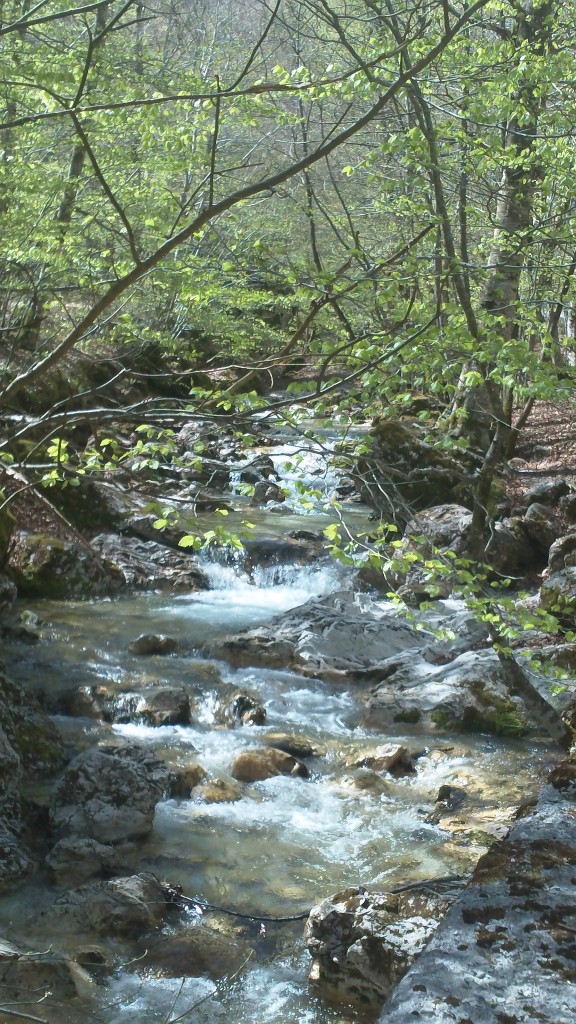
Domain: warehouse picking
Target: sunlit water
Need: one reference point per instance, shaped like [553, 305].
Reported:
[287, 842]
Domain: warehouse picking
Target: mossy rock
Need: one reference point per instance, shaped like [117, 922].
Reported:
[48, 567]
[501, 720]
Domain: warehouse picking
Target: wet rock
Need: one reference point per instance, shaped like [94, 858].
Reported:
[265, 763]
[148, 565]
[543, 526]
[8, 593]
[38, 978]
[367, 781]
[505, 951]
[467, 694]
[265, 491]
[109, 794]
[337, 636]
[152, 643]
[219, 791]
[81, 702]
[121, 906]
[238, 707]
[186, 778]
[47, 567]
[361, 945]
[74, 860]
[558, 595]
[197, 951]
[298, 746]
[391, 758]
[290, 550]
[168, 706]
[10, 778]
[262, 467]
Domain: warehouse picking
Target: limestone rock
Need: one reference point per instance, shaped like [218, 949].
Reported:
[562, 554]
[31, 733]
[238, 707]
[152, 643]
[74, 860]
[219, 791]
[361, 945]
[542, 525]
[264, 763]
[168, 706]
[391, 757]
[186, 778]
[298, 746]
[199, 951]
[148, 565]
[44, 566]
[109, 794]
[121, 906]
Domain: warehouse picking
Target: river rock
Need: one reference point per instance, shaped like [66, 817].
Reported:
[361, 945]
[197, 951]
[367, 781]
[392, 758]
[237, 707]
[340, 635]
[264, 763]
[152, 643]
[543, 526]
[298, 746]
[219, 791]
[558, 595]
[44, 566]
[8, 593]
[186, 778]
[467, 694]
[505, 952]
[148, 565]
[38, 979]
[109, 794]
[168, 706]
[288, 550]
[74, 860]
[15, 860]
[121, 906]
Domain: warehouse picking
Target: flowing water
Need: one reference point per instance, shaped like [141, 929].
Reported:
[286, 843]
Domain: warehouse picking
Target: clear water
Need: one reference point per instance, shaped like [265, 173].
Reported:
[287, 843]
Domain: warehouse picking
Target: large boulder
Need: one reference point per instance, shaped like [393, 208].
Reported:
[44, 566]
[363, 943]
[404, 469]
[75, 859]
[467, 694]
[148, 565]
[334, 636]
[121, 906]
[109, 794]
[543, 526]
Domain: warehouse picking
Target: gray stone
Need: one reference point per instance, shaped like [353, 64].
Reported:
[121, 906]
[75, 859]
[38, 979]
[558, 595]
[543, 526]
[505, 951]
[362, 944]
[109, 794]
[168, 706]
[152, 643]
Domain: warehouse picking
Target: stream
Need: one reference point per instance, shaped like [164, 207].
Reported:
[284, 844]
